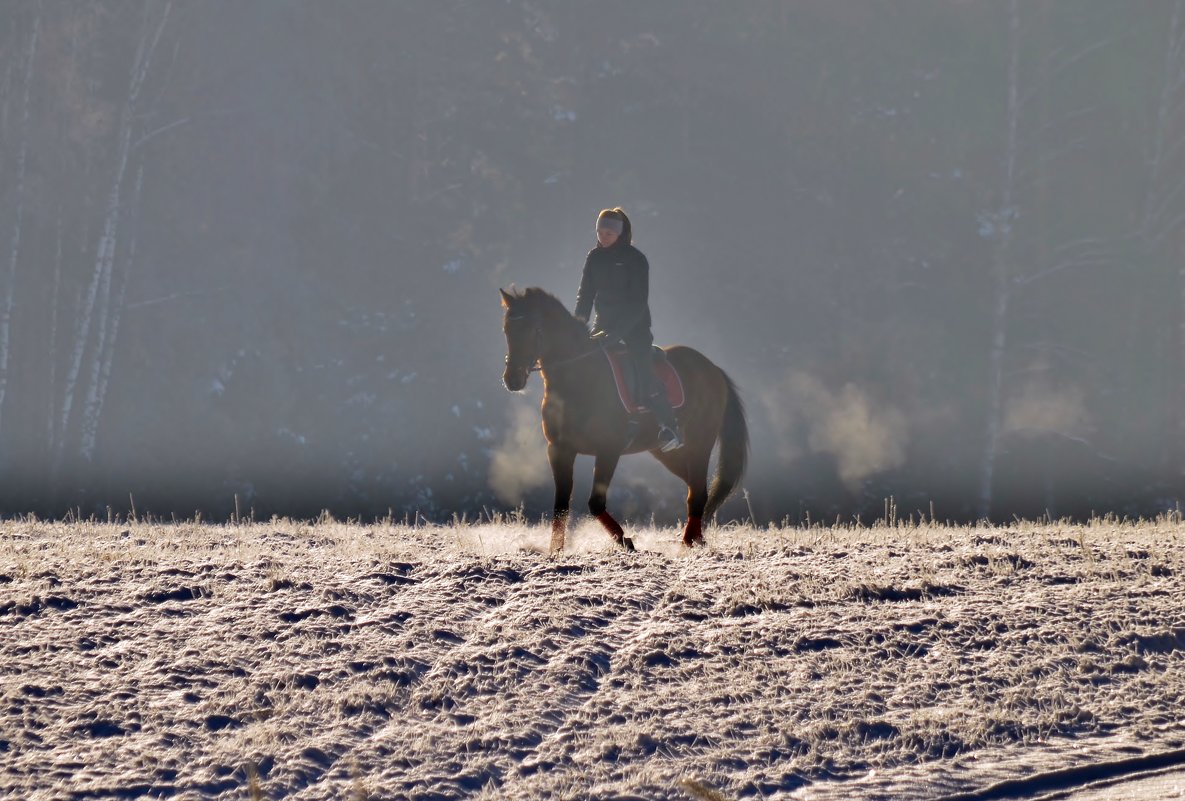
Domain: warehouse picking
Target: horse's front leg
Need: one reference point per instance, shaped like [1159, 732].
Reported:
[603, 469]
[563, 462]
[691, 465]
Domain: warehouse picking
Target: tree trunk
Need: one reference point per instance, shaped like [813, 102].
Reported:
[1181, 360]
[1002, 292]
[17, 218]
[1171, 83]
[95, 400]
[90, 408]
[51, 407]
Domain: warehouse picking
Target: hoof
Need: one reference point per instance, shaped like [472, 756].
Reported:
[694, 542]
[628, 544]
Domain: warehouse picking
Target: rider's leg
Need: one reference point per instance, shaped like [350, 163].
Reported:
[653, 393]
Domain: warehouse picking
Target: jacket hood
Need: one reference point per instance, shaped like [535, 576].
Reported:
[627, 229]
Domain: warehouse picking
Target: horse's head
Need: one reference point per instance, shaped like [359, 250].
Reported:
[524, 335]
[538, 328]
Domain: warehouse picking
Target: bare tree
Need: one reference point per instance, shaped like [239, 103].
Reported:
[1002, 268]
[1161, 215]
[51, 430]
[1164, 201]
[91, 336]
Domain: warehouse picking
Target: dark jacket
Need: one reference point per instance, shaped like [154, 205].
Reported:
[616, 282]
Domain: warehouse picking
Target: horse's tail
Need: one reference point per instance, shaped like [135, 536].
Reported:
[734, 449]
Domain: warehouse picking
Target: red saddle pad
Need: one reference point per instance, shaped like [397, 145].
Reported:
[664, 371]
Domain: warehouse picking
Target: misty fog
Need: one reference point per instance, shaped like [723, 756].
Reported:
[250, 252]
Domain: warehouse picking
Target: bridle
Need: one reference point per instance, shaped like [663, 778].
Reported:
[538, 340]
[538, 365]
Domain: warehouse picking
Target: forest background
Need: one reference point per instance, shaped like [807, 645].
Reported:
[249, 252]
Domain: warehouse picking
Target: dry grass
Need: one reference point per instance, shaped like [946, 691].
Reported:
[329, 660]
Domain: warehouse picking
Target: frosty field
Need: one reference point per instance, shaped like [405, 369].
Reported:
[338, 661]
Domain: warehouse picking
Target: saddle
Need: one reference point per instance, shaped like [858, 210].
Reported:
[623, 376]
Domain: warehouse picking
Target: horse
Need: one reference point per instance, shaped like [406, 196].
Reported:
[582, 414]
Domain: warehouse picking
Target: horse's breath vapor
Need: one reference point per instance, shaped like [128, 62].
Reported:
[519, 464]
[1039, 406]
[864, 436]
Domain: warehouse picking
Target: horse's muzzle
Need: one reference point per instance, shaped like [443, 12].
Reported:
[515, 378]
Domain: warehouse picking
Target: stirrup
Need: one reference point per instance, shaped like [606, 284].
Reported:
[669, 440]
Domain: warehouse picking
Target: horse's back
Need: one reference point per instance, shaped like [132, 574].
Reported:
[686, 358]
[703, 380]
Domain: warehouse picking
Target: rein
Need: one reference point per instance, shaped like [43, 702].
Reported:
[538, 366]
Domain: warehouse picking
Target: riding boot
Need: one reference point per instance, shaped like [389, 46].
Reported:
[651, 389]
[669, 435]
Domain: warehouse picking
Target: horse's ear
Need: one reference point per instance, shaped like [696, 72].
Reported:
[507, 298]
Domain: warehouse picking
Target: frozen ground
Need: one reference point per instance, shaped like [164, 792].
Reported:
[334, 661]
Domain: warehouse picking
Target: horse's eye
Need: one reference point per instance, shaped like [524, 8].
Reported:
[515, 321]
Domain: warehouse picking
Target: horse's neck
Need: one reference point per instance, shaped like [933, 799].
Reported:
[566, 366]
[562, 341]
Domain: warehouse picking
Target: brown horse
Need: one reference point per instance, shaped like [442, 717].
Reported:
[582, 414]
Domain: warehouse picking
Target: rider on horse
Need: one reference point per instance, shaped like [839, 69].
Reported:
[616, 282]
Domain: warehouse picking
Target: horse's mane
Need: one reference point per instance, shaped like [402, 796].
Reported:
[552, 308]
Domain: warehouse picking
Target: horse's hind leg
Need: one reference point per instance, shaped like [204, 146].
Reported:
[603, 469]
[563, 462]
[697, 499]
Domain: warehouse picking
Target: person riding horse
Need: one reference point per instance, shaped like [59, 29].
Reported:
[616, 284]
[582, 413]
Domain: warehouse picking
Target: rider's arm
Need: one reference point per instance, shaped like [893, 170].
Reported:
[587, 292]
